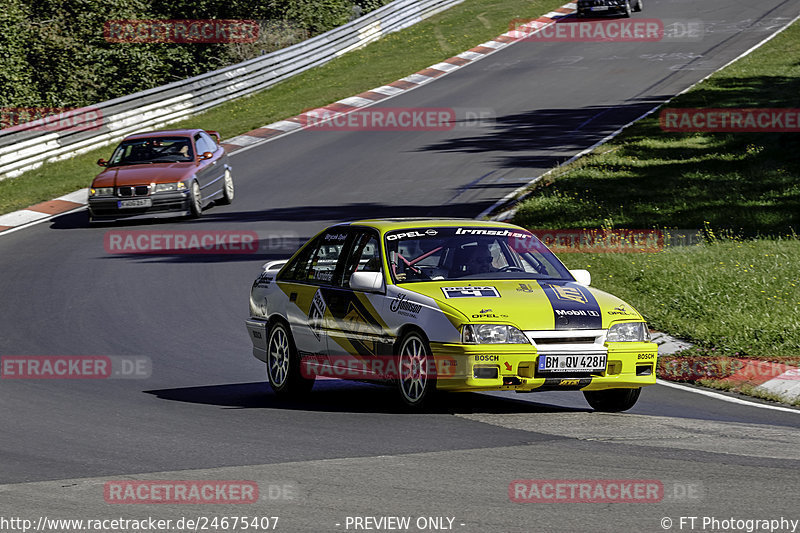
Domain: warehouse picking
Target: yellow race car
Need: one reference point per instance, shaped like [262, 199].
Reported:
[447, 305]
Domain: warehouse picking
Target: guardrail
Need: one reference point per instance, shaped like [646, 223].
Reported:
[26, 147]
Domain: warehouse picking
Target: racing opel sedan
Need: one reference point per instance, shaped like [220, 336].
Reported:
[594, 8]
[444, 305]
[162, 173]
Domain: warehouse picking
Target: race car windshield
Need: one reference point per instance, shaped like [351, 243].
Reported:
[152, 150]
[459, 253]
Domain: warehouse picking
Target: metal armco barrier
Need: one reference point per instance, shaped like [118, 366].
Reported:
[26, 147]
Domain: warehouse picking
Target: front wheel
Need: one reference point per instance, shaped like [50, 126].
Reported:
[612, 400]
[416, 382]
[196, 200]
[627, 13]
[639, 6]
[283, 364]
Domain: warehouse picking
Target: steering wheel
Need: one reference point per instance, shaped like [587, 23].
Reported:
[510, 268]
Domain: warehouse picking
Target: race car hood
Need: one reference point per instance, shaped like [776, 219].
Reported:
[529, 305]
[144, 174]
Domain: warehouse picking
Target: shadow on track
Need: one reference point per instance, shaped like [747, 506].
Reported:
[337, 396]
[523, 138]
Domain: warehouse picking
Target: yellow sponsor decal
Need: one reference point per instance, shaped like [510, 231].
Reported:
[569, 382]
[572, 294]
[359, 329]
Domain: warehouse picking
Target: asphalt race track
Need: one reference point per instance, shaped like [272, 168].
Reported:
[206, 413]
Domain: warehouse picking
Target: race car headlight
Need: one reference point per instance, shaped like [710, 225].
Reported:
[168, 187]
[628, 332]
[492, 334]
[101, 191]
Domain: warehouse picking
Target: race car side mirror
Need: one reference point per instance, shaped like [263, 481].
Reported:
[367, 281]
[274, 265]
[102, 162]
[583, 277]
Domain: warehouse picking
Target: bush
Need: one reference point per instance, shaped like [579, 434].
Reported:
[55, 53]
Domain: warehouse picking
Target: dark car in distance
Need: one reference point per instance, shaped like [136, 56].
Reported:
[594, 8]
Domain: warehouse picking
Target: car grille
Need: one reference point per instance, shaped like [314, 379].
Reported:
[138, 190]
[588, 338]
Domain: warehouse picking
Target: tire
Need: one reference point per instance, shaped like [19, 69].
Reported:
[196, 200]
[283, 364]
[227, 189]
[414, 359]
[639, 6]
[612, 400]
[627, 13]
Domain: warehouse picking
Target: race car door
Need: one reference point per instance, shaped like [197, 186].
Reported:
[355, 324]
[307, 282]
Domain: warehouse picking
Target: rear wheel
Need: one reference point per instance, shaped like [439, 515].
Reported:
[283, 364]
[612, 400]
[415, 383]
[639, 5]
[627, 9]
[227, 189]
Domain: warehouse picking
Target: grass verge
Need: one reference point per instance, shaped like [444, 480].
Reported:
[395, 56]
[738, 292]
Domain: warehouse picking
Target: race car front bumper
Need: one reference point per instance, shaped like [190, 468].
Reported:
[516, 367]
[163, 204]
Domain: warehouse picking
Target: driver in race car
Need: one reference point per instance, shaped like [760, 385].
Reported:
[478, 259]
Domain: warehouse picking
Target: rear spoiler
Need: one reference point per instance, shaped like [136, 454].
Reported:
[215, 134]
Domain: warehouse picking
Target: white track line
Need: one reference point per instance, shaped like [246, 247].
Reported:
[726, 398]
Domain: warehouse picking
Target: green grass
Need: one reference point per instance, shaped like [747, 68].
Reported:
[745, 183]
[739, 297]
[395, 56]
[739, 292]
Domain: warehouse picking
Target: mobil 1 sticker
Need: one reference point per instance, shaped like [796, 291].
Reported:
[470, 292]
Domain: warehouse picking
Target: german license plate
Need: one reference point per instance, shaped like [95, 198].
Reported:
[572, 363]
[600, 8]
[138, 202]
